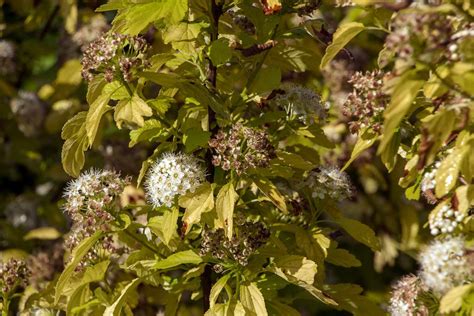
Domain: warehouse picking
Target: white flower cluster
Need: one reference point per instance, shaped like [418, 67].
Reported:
[428, 182]
[329, 181]
[173, 175]
[7, 58]
[444, 265]
[29, 112]
[300, 102]
[91, 192]
[403, 301]
[445, 220]
[90, 31]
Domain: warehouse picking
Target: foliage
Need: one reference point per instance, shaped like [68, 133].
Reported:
[236, 118]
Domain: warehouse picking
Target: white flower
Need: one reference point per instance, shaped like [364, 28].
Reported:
[404, 299]
[7, 57]
[173, 175]
[301, 102]
[445, 220]
[444, 265]
[91, 192]
[329, 181]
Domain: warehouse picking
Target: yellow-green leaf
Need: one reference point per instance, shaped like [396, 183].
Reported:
[116, 308]
[366, 139]
[179, 258]
[76, 143]
[131, 111]
[452, 301]
[45, 233]
[400, 105]
[170, 224]
[342, 257]
[196, 203]
[97, 109]
[77, 254]
[217, 288]
[225, 202]
[447, 174]
[298, 267]
[252, 299]
[271, 192]
[341, 37]
[360, 232]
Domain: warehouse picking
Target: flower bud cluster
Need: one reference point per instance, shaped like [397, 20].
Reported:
[329, 182]
[403, 301]
[45, 264]
[300, 103]
[91, 31]
[444, 265]
[247, 238]
[419, 33]
[104, 246]
[7, 58]
[171, 176]
[241, 148]
[445, 220]
[365, 104]
[115, 55]
[337, 75]
[242, 21]
[91, 197]
[13, 273]
[29, 112]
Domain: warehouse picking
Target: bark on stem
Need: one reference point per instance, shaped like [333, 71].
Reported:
[216, 12]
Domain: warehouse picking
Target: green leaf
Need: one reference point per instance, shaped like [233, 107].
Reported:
[359, 232]
[252, 299]
[150, 130]
[341, 37]
[77, 254]
[92, 274]
[170, 224]
[271, 192]
[136, 17]
[225, 201]
[342, 257]
[76, 143]
[279, 309]
[196, 203]
[195, 138]
[390, 154]
[295, 161]
[179, 258]
[349, 298]
[366, 139]
[44, 233]
[266, 80]
[298, 267]
[131, 111]
[220, 52]
[217, 288]
[453, 300]
[400, 105]
[183, 36]
[116, 308]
